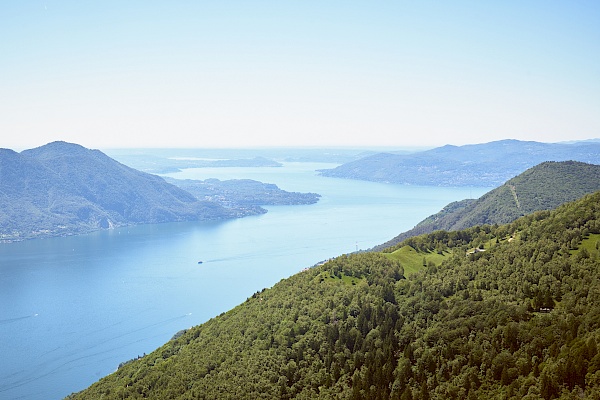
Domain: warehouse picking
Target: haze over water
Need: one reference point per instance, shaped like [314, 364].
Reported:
[73, 308]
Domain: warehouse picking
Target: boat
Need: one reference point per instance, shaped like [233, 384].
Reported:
[199, 262]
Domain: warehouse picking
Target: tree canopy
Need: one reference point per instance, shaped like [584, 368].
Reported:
[517, 319]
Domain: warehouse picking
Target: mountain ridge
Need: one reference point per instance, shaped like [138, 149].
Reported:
[65, 189]
[487, 164]
[543, 187]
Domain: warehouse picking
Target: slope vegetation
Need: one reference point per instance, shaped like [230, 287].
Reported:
[520, 320]
[543, 187]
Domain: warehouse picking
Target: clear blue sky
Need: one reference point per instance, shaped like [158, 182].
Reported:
[297, 73]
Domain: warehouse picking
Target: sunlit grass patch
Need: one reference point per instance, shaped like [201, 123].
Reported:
[413, 260]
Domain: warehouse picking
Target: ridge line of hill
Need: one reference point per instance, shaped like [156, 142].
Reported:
[64, 189]
[543, 187]
[485, 165]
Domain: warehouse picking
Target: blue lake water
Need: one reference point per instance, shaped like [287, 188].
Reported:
[73, 308]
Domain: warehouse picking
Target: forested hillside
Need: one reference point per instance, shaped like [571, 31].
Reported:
[517, 319]
[543, 187]
[484, 165]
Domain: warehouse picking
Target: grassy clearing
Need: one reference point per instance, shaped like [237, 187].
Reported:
[345, 279]
[413, 260]
[591, 244]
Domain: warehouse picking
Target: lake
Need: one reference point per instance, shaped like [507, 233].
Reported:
[73, 308]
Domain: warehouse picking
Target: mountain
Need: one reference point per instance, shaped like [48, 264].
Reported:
[543, 187]
[63, 189]
[517, 320]
[484, 165]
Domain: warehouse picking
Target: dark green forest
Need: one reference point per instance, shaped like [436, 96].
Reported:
[518, 320]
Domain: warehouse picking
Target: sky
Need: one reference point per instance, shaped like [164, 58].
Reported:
[297, 73]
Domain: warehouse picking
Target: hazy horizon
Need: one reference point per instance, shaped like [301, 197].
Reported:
[304, 74]
[414, 148]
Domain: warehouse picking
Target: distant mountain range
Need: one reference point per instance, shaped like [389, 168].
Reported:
[543, 187]
[484, 165]
[64, 189]
[163, 161]
[160, 165]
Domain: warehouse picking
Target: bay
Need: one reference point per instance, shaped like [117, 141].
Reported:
[73, 308]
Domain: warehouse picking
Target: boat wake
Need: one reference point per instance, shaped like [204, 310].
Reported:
[17, 319]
